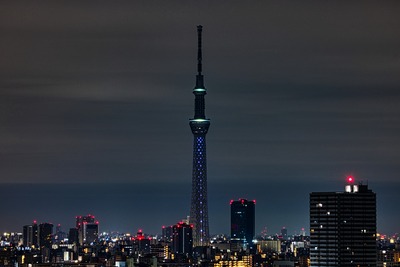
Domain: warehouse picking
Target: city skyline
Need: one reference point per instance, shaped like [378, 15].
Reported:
[301, 95]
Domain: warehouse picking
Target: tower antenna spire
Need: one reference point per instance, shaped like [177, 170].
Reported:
[199, 126]
[199, 77]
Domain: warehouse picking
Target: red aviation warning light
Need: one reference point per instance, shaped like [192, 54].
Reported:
[350, 179]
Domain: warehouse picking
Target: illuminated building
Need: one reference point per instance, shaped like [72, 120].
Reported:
[182, 240]
[160, 251]
[269, 245]
[343, 227]
[242, 222]
[244, 261]
[199, 126]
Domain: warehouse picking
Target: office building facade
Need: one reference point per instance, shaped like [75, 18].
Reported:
[45, 235]
[243, 222]
[343, 227]
[182, 239]
[88, 229]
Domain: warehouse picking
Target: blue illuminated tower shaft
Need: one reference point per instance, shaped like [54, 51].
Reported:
[199, 126]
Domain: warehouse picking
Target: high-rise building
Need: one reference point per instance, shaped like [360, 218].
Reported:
[343, 227]
[27, 234]
[30, 235]
[167, 233]
[73, 236]
[45, 234]
[88, 229]
[59, 235]
[284, 233]
[91, 231]
[243, 222]
[182, 240]
[199, 126]
[142, 242]
[35, 234]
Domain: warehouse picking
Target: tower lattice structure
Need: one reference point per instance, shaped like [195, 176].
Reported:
[199, 126]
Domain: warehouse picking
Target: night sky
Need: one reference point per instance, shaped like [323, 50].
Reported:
[96, 96]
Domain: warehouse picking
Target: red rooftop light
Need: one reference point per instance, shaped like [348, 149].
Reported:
[350, 179]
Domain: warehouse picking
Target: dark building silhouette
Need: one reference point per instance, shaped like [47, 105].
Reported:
[167, 233]
[30, 235]
[284, 233]
[73, 236]
[88, 229]
[343, 227]
[142, 242]
[45, 234]
[91, 232]
[59, 235]
[243, 222]
[182, 240]
[35, 234]
[27, 235]
[199, 126]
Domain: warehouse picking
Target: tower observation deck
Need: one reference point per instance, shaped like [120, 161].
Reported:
[199, 126]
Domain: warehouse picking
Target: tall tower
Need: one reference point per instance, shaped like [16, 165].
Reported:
[199, 126]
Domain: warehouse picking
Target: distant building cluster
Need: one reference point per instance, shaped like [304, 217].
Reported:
[83, 245]
[342, 233]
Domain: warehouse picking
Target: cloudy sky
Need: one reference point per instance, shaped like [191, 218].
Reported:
[96, 96]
